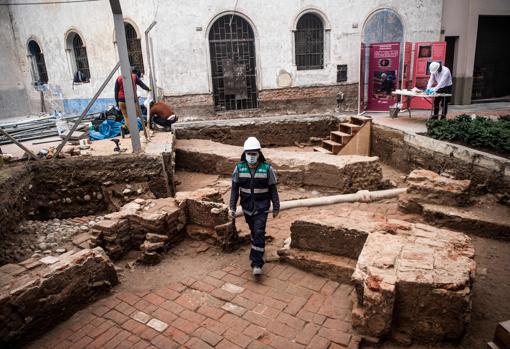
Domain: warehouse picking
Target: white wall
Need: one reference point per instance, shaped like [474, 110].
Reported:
[182, 60]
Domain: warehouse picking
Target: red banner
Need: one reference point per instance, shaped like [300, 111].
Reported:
[424, 54]
[406, 82]
[361, 88]
[383, 75]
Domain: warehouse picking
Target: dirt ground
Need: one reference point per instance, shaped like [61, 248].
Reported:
[491, 292]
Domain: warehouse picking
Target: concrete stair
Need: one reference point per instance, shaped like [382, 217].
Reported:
[501, 336]
[338, 139]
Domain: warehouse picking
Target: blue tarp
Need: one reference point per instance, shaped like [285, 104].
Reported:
[109, 129]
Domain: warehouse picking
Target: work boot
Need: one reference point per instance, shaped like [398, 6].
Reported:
[123, 132]
[257, 271]
[434, 117]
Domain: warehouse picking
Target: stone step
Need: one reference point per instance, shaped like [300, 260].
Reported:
[322, 150]
[502, 335]
[332, 146]
[360, 119]
[340, 137]
[336, 268]
[349, 128]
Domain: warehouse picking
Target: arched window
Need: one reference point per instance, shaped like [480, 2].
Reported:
[38, 67]
[134, 47]
[383, 26]
[80, 62]
[309, 42]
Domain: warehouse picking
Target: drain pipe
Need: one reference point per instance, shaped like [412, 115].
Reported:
[362, 196]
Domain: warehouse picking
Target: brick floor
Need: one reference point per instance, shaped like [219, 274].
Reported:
[286, 308]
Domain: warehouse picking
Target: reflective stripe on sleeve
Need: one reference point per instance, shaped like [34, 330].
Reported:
[260, 249]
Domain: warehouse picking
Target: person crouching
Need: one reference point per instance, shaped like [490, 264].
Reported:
[254, 180]
[162, 115]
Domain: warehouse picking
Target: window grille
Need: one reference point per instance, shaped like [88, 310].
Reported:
[134, 47]
[233, 65]
[309, 42]
[341, 73]
[81, 60]
[37, 61]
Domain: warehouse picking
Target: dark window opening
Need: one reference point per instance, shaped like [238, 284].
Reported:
[134, 47]
[82, 73]
[233, 66]
[341, 73]
[40, 75]
[309, 41]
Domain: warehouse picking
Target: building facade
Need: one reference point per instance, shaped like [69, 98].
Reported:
[211, 58]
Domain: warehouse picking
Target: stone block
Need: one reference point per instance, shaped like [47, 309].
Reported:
[37, 301]
[341, 236]
[207, 214]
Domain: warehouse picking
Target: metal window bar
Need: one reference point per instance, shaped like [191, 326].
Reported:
[309, 42]
[341, 73]
[134, 48]
[80, 56]
[232, 38]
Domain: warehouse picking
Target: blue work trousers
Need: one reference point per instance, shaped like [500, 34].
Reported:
[257, 224]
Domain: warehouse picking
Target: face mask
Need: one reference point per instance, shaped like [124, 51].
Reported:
[252, 159]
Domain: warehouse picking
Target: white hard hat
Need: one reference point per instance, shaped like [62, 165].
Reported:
[434, 67]
[251, 143]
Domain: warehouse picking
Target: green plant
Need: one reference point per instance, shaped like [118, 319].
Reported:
[476, 132]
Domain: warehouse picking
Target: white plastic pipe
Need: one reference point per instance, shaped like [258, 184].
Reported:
[362, 195]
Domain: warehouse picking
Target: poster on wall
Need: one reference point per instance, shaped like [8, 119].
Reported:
[424, 54]
[383, 75]
[406, 81]
[361, 87]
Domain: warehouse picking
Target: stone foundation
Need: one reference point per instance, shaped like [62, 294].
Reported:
[347, 174]
[39, 292]
[412, 280]
[270, 131]
[407, 151]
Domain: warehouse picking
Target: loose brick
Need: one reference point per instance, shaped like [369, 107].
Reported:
[157, 324]
[141, 317]
[163, 342]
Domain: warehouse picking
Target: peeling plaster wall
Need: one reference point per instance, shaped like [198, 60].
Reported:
[181, 45]
[13, 96]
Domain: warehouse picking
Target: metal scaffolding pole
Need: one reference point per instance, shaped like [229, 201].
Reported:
[149, 57]
[86, 110]
[125, 68]
[25, 149]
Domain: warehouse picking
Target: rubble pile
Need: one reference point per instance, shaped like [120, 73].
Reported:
[43, 237]
[39, 292]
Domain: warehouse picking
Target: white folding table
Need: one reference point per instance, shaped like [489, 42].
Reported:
[410, 95]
